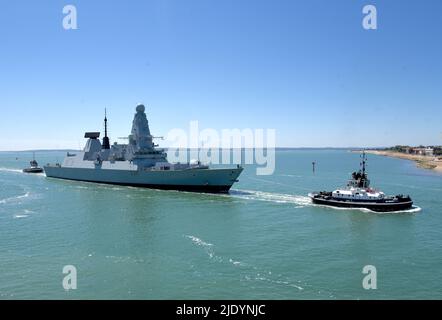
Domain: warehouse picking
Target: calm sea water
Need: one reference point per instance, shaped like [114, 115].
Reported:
[263, 241]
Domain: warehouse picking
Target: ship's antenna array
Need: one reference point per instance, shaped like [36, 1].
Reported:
[106, 143]
[364, 160]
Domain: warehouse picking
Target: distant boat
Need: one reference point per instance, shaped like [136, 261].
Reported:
[34, 168]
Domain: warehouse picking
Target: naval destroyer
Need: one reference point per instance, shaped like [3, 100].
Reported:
[139, 163]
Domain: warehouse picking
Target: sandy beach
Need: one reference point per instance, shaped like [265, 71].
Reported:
[426, 162]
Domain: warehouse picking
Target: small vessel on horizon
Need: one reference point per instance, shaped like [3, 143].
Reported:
[33, 168]
[359, 194]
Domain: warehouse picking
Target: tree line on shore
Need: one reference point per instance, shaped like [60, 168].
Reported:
[437, 150]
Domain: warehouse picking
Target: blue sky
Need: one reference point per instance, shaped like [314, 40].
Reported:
[305, 68]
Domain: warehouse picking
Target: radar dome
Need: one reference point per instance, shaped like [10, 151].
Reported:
[140, 108]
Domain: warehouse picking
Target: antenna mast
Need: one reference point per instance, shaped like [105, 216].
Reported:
[364, 159]
[106, 144]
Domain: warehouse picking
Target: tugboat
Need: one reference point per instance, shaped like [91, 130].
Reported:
[34, 168]
[359, 194]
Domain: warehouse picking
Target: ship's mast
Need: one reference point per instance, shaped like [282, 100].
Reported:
[106, 144]
[364, 159]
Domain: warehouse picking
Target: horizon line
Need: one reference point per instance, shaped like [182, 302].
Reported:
[166, 148]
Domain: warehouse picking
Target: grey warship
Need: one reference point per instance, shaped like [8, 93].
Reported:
[139, 163]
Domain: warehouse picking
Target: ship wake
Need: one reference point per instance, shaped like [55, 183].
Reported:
[249, 272]
[10, 170]
[298, 200]
[14, 199]
[252, 274]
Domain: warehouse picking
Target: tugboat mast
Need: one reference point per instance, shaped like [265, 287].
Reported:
[364, 159]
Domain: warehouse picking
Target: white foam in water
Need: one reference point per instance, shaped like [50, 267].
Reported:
[14, 198]
[25, 214]
[11, 170]
[414, 209]
[236, 263]
[23, 196]
[290, 175]
[19, 216]
[272, 197]
[279, 282]
[208, 247]
[198, 241]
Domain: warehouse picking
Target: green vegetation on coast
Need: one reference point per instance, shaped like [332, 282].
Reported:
[426, 157]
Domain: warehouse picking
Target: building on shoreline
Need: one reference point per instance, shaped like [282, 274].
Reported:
[422, 151]
[429, 151]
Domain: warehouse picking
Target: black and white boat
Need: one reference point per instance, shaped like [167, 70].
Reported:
[359, 194]
[34, 168]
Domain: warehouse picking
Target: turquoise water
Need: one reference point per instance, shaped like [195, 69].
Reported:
[263, 241]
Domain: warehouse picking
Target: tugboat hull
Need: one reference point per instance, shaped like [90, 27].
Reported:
[397, 204]
[33, 170]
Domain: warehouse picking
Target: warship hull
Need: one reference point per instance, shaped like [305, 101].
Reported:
[195, 180]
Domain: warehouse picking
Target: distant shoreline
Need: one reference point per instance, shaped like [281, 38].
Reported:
[276, 149]
[425, 162]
